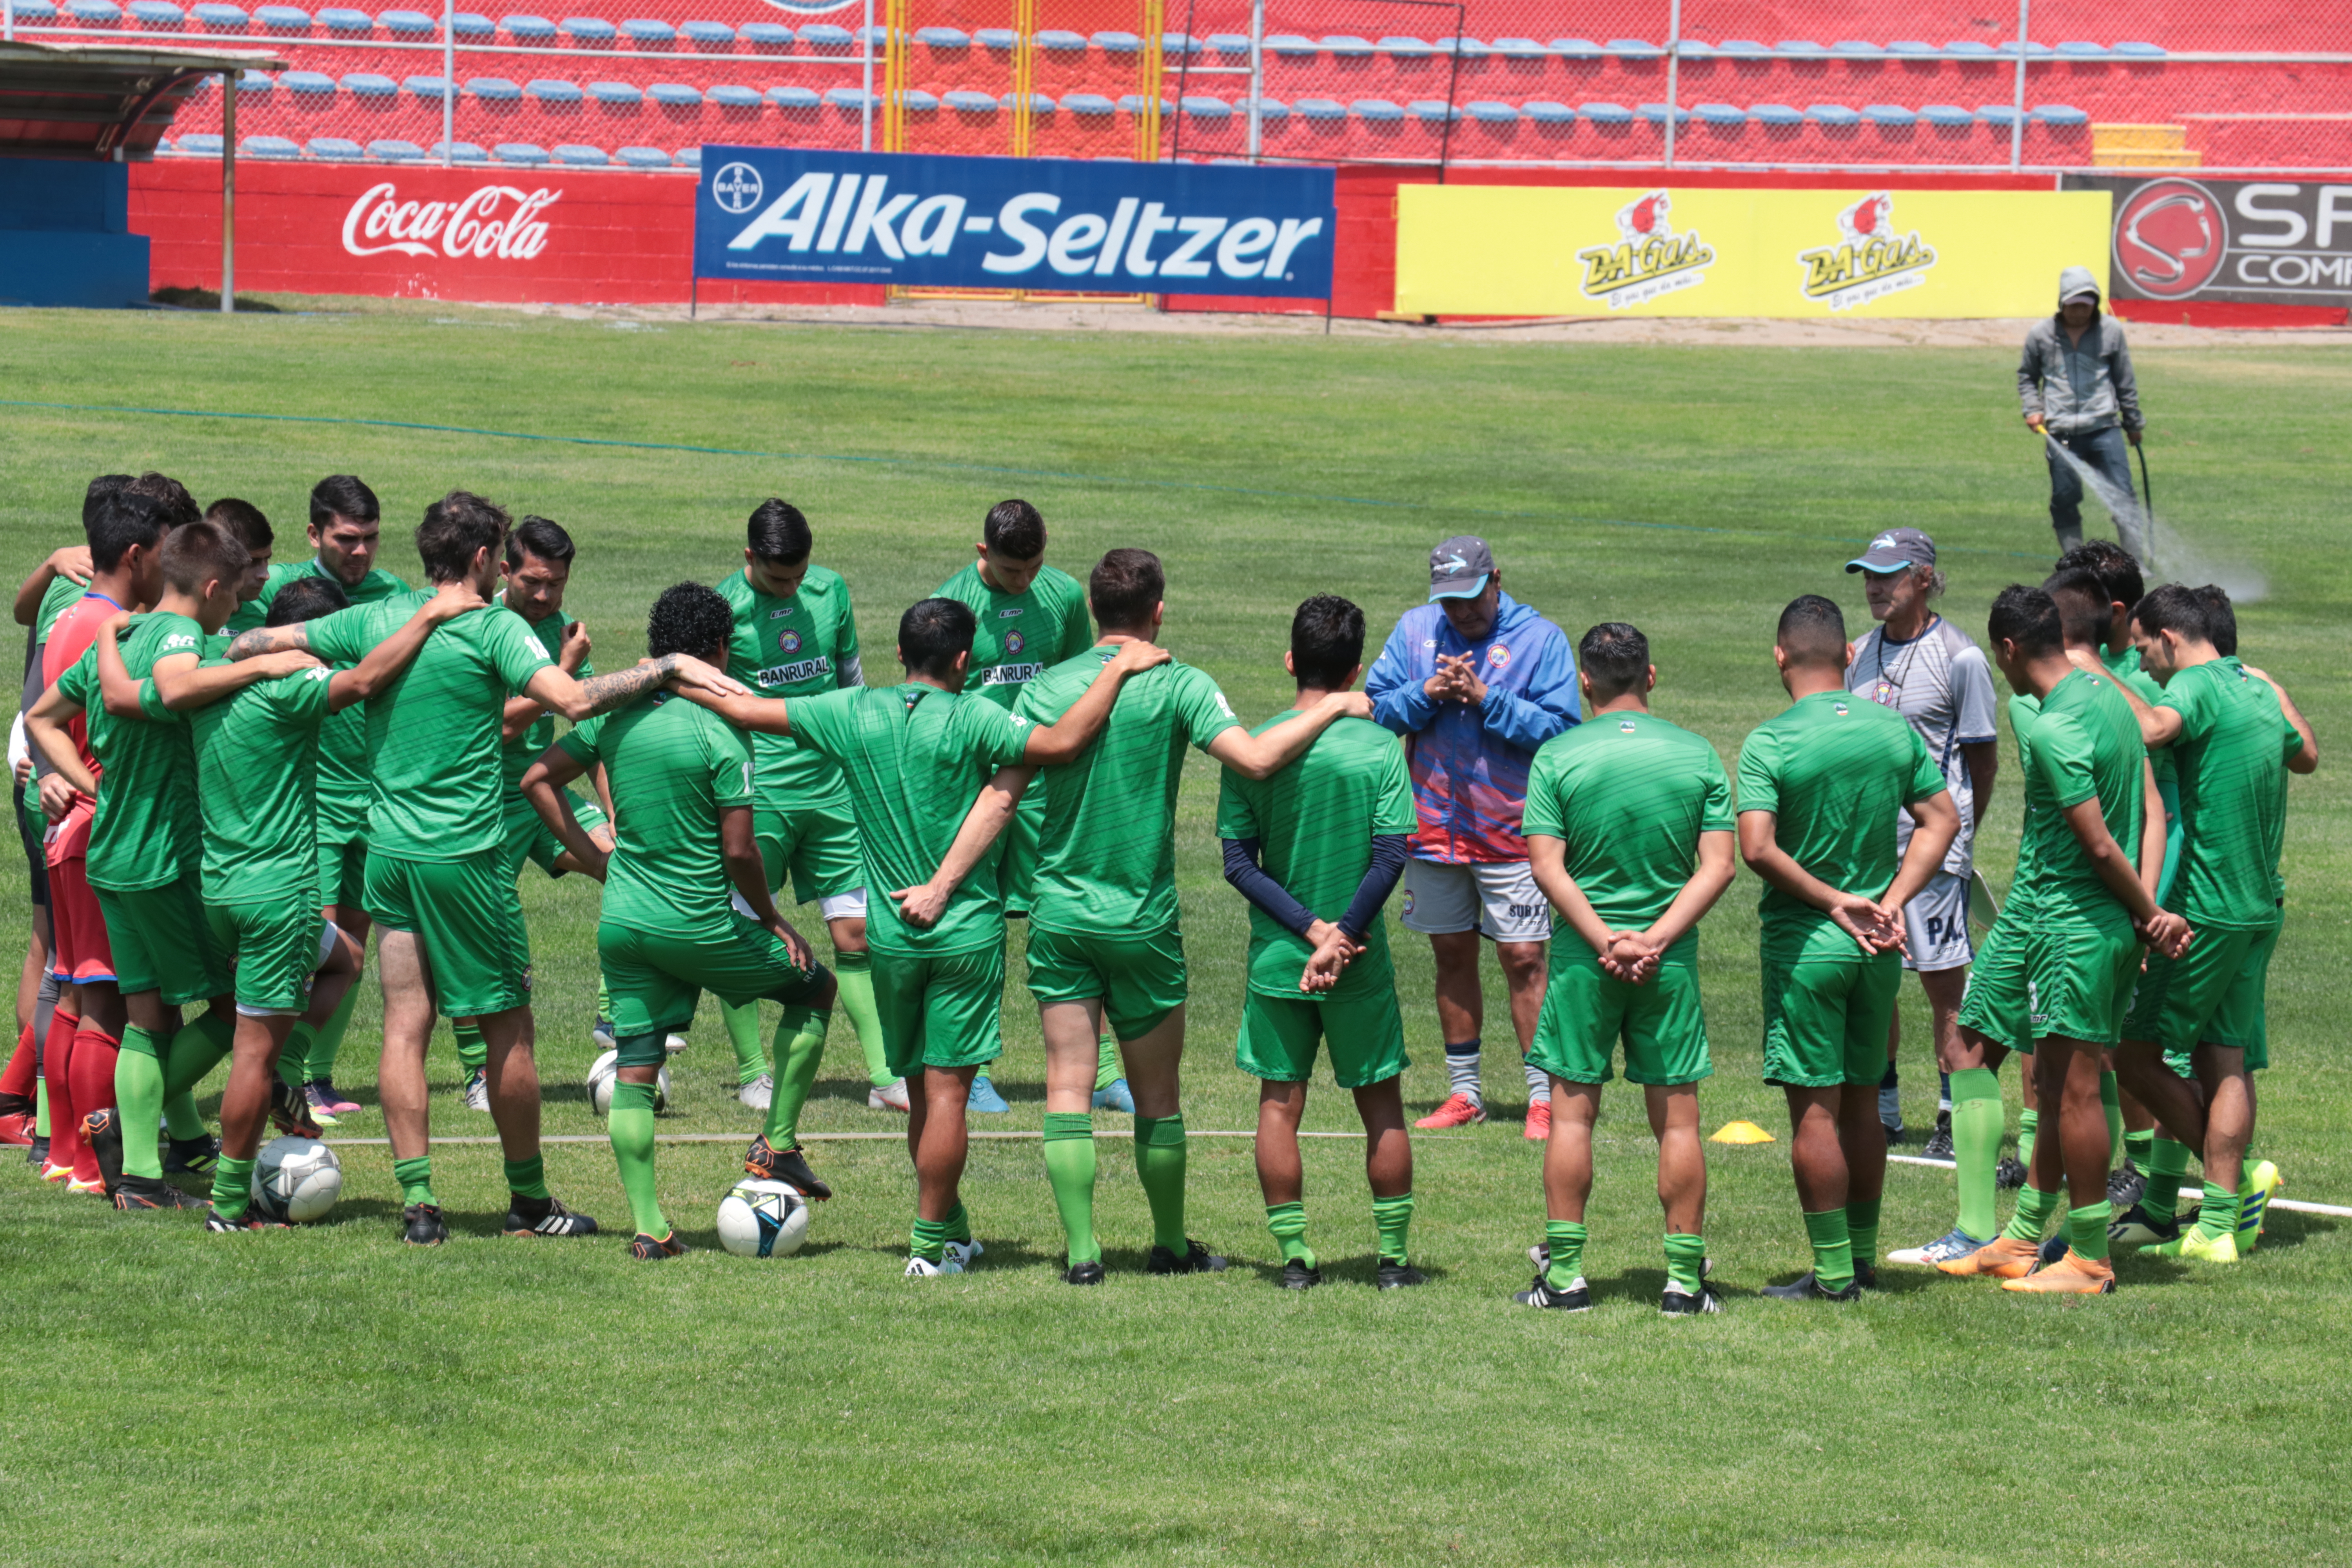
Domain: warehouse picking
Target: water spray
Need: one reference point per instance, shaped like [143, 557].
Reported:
[2131, 521]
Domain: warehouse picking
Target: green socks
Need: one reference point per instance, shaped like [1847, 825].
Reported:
[1976, 1147]
[416, 1178]
[41, 1105]
[630, 1126]
[930, 1240]
[2031, 1219]
[2216, 1216]
[1832, 1249]
[1862, 1230]
[2168, 1161]
[743, 1034]
[2086, 1229]
[853, 974]
[1687, 1262]
[1288, 1224]
[2029, 1123]
[1105, 1062]
[800, 1048]
[320, 1061]
[194, 1052]
[1392, 1217]
[473, 1051]
[138, 1102]
[1160, 1165]
[959, 1223]
[528, 1178]
[2135, 1147]
[232, 1187]
[2111, 1100]
[295, 1055]
[1070, 1171]
[1565, 1238]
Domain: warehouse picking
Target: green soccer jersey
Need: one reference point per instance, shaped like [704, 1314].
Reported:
[1107, 853]
[801, 645]
[377, 584]
[1315, 822]
[1833, 769]
[673, 767]
[55, 599]
[344, 782]
[1018, 636]
[1628, 794]
[146, 831]
[257, 775]
[916, 757]
[515, 759]
[2230, 757]
[2083, 745]
[435, 781]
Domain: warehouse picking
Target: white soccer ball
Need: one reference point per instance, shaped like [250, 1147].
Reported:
[605, 1071]
[764, 1219]
[297, 1179]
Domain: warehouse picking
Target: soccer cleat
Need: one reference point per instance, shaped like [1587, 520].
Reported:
[2053, 1248]
[1678, 1302]
[102, 1130]
[2072, 1275]
[1940, 1142]
[921, 1268]
[2194, 1243]
[16, 1128]
[138, 1194]
[53, 1171]
[327, 1099]
[2138, 1228]
[966, 1252]
[190, 1156]
[545, 1216]
[1197, 1260]
[251, 1219]
[673, 1044]
[2126, 1183]
[37, 1153]
[289, 1112]
[759, 1094]
[1090, 1272]
[1298, 1276]
[890, 1095]
[1577, 1298]
[95, 1189]
[2008, 1174]
[1538, 1126]
[983, 1099]
[1864, 1275]
[2254, 1204]
[1114, 1095]
[1890, 1111]
[1459, 1110]
[1808, 1288]
[1394, 1274]
[653, 1249]
[477, 1090]
[764, 1159]
[2003, 1258]
[601, 1034]
[423, 1227]
[1953, 1243]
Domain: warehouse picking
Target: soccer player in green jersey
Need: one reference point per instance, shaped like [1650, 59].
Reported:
[2233, 747]
[2056, 981]
[1629, 828]
[1104, 945]
[1317, 848]
[1029, 618]
[1819, 788]
[796, 636]
[437, 878]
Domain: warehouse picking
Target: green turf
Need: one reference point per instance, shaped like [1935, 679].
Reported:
[174, 1398]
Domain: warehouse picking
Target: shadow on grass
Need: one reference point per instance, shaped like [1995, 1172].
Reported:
[1360, 1270]
[208, 300]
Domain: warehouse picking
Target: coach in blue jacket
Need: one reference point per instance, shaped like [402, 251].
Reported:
[1475, 681]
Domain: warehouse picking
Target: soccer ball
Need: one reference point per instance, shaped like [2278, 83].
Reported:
[297, 1179]
[603, 1073]
[764, 1219]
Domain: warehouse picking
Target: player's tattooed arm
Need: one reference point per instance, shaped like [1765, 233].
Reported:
[542, 785]
[294, 638]
[1075, 730]
[1856, 914]
[577, 700]
[1264, 755]
[922, 906]
[521, 712]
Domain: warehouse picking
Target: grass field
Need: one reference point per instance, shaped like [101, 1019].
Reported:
[330, 1396]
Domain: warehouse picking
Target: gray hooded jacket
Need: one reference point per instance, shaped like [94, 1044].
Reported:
[2078, 387]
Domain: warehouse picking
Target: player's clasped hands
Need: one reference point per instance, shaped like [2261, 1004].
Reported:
[1873, 926]
[922, 906]
[1630, 956]
[1333, 953]
[2167, 934]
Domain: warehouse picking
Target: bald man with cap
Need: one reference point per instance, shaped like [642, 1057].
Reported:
[2076, 385]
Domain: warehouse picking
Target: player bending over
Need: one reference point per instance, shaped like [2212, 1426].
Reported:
[1629, 828]
[1819, 789]
[1317, 848]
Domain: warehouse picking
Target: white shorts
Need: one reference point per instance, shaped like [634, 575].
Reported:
[850, 905]
[1936, 925]
[1499, 897]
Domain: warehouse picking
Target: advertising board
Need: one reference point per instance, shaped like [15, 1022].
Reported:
[2253, 242]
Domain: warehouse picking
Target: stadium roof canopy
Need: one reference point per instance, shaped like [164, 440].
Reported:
[102, 101]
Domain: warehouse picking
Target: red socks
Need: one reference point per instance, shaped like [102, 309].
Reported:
[18, 1078]
[91, 1073]
[56, 1059]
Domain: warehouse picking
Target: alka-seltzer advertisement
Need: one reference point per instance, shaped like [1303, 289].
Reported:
[2267, 242]
[778, 215]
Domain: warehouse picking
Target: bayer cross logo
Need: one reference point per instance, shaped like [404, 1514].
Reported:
[736, 188]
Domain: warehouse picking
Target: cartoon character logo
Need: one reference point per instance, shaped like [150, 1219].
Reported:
[1012, 642]
[1649, 260]
[1870, 260]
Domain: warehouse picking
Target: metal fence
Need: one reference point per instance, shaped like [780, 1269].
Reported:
[1748, 84]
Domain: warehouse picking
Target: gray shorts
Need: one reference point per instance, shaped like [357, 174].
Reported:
[1497, 898]
[1936, 925]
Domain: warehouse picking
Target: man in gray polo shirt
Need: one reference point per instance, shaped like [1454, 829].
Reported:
[2076, 385]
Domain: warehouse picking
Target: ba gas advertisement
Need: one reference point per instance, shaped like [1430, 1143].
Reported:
[1666, 250]
[774, 215]
[2257, 242]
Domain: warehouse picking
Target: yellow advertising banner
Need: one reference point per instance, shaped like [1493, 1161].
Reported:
[1669, 250]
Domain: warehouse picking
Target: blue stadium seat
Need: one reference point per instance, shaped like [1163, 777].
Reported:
[876, 37]
[493, 90]
[1856, 49]
[1038, 102]
[528, 153]
[644, 157]
[796, 97]
[1575, 48]
[1832, 114]
[647, 30]
[536, 29]
[1996, 114]
[728, 96]
[709, 34]
[677, 94]
[1402, 47]
[98, 11]
[367, 84]
[2060, 114]
[1655, 113]
[408, 24]
[1088, 104]
[1969, 50]
[1376, 110]
[762, 35]
[1544, 111]
[42, 11]
[433, 88]
[1800, 49]
[1520, 49]
[1232, 46]
[267, 147]
[1694, 48]
[1774, 114]
[1433, 110]
[965, 102]
[1720, 113]
[308, 84]
[283, 18]
[1118, 43]
[1135, 103]
[157, 14]
[1911, 48]
[456, 152]
[1742, 48]
[1062, 41]
[1269, 109]
[615, 92]
[1888, 114]
[1178, 43]
[1946, 114]
[944, 38]
[227, 18]
[553, 90]
[470, 25]
[2083, 51]
[825, 36]
[1201, 106]
[1320, 108]
[1606, 113]
[1347, 46]
[689, 157]
[251, 83]
[579, 155]
[996, 38]
[1635, 49]
[392, 150]
[854, 97]
[200, 143]
[336, 149]
[583, 30]
[1291, 46]
[2032, 51]
[1489, 112]
[1463, 48]
[916, 101]
[2136, 51]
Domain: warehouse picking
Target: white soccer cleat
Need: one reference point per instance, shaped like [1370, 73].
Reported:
[760, 1094]
[602, 1035]
[924, 1268]
[964, 1254]
[478, 1091]
[674, 1044]
[890, 1097]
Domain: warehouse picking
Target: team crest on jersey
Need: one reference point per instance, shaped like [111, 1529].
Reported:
[1627, 725]
[178, 640]
[1870, 260]
[1499, 656]
[1839, 708]
[790, 642]
[1012, 642]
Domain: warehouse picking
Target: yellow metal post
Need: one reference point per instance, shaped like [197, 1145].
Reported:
[1148, 71]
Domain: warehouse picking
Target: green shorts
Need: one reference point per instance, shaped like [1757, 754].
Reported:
[275, 945]
[2079, 979]
[529, 840]
[940, 1010]
[1016, 863]
[1994, 1005]
[342, 874]
[1280, 1034]
[1586, 1012]
[1825, 1019]
[162, 943]
[817, 843]
[1140, 980]
[2209, 996]
[653, 979]
[467, 918]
